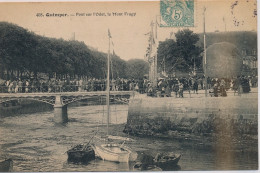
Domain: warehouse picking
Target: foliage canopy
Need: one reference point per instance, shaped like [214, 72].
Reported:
[25, 53]
[180, 54]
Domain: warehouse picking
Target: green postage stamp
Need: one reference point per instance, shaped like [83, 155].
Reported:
[177, 13]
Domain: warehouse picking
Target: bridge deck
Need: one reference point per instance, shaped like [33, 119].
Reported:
[95, 93]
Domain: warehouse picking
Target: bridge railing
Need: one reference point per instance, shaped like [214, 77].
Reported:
[61, 88]
[95, 87]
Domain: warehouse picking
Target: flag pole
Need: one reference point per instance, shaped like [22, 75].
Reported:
[155, 58]
[225, 24]
[205, 53]
[108, 82]
[151, 72]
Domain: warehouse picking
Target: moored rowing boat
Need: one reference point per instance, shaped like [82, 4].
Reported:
[6, 165]
[115, 153]
[167, 161]
[81, 153]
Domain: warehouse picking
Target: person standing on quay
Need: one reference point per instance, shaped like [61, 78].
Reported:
[223, 88]
[27, 86]
[195, 86]
[208, 82]
[215, 90]
[180, 90]
[176, 89]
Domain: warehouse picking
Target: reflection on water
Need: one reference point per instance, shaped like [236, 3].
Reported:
[36, 143]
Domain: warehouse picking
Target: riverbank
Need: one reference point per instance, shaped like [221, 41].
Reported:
[24, 107]
[227, 122]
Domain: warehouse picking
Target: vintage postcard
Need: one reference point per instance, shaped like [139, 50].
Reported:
[165, 85]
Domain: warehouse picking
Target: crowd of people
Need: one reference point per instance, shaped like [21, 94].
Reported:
[216, 86]
[68, 85]
[165, 86]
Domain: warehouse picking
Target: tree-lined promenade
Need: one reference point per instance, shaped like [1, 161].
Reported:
[33, 63]
[23, 54]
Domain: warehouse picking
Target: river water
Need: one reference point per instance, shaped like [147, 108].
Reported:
[36, 143]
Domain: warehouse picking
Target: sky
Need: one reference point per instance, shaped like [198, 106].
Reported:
[128, 31]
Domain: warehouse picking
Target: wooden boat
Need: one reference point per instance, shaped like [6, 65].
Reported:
[145, 162]
[166, 160]
[81, 153]
[6, 165]
[115, 153]
[108, 151]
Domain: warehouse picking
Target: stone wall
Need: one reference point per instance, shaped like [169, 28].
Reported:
[184, 117]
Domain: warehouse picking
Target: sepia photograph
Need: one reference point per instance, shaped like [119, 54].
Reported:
[129, 86]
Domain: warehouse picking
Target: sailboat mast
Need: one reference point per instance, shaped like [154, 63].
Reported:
[108, 83]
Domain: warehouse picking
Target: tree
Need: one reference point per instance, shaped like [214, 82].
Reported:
[167, 55]
[118, 67]
[180, 54]
[25, 52]
[187, 49]
[136, 69]
[16, 48]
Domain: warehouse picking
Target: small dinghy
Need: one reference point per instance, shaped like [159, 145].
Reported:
[167, 161]
[161, 161]
[6, 165]
[145, 162]
[81, 154]
[115, 153]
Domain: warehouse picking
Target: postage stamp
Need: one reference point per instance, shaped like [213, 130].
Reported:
[177, 13]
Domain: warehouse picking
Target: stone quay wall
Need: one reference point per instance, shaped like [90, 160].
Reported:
[170, 117]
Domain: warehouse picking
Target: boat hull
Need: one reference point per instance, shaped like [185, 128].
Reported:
[81, 153]
[168, 164]
[115, 153]
[6, 165]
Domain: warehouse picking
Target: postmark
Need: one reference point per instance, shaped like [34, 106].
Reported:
[177, 13]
